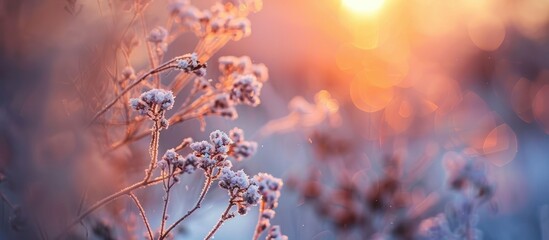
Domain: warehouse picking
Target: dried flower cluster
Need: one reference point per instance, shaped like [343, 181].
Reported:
[467, 177]
[240, 83]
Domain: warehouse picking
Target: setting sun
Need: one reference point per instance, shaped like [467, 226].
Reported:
[363, 6]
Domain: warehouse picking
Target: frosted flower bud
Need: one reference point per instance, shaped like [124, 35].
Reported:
[246, 89]
[242, 209]
[275, 234]
[164, 123]
[190, 14]
[171, 156]
[202, 148]
[240, 27]
[206, 162]
[191, 163]
[240, 180]
[158, 35]
[268, 214]
[227, 64]
[244, 64]
[141, 107]
[162, 164]
[128, 73]
[147, 100]
[243, 149]
[435, 228]
[269, 187]
[252, 195]
[237, 135]
[226, 178]
[217, 25]
[175, 6]
[220, 141]
[189, 63]
[201, 72]
[201, 84]
[261, 72]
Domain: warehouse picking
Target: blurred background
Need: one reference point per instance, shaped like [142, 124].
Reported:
[352, 83]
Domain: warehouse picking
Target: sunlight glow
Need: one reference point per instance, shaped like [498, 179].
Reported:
[363, 6]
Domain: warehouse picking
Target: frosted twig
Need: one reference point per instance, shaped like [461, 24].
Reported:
[142, 212]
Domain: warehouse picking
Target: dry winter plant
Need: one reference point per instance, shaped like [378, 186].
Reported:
[136, 104]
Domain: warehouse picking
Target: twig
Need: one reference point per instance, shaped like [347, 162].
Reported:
[258, 231]
[153, 150]
[224, 217]
[111, 198]
[163, 67]
[207, 185]
[142, 211]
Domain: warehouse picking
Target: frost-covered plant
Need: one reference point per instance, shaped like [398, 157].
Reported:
[467, 177]
[122, 120]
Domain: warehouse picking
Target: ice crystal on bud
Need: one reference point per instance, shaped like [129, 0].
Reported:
[128, 73]
[261, 72]
[191, 163]
[171, 156]
[230, 179]
[162, 164]
[153, 102]
[275, 234]
[176, 6]
[190, 63]
[241, 149]
[252, 195]
[220, 141]
[158, 35]
[246, 89]
[239, 27]
[202, 148]
[435, 228]
[269, 187]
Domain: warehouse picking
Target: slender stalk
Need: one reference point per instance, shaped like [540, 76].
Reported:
[207, 185]
[165, 66]
[143, 215]
[165, 207]
[153, 149]
[111, 198]
[258, 229]
[224, 217]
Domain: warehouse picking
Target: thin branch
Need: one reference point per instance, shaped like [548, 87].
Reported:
[142, 211]
[258, 230]
[153, 150]
[207, 185]
[165, 66]
[112, 197]
[224, 217]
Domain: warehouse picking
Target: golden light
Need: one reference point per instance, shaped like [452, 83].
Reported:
[363, 6]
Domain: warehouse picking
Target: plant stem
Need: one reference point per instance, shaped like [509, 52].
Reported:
[207, 185]
[142, 211]
[111, 198]
[153, 150]
[165, 207]
[257, 230]
[165, 66]
[224, 217]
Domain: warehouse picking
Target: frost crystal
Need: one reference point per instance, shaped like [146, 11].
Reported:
[246, 89]
[190, 63]
[153, 101]
[220, 141]
[269, 187]
[275, 234]
[158, 35]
